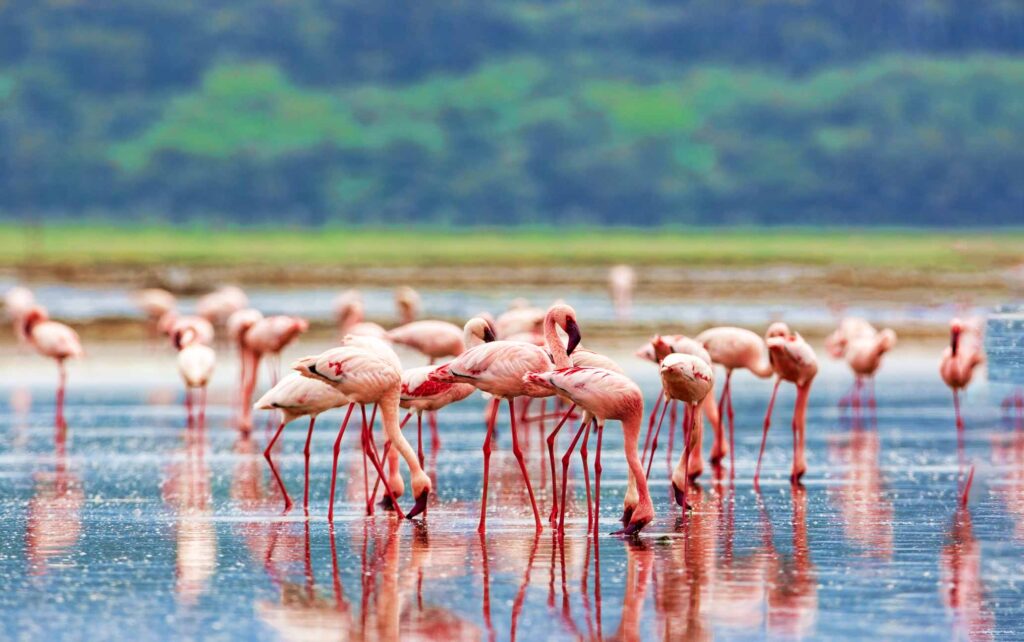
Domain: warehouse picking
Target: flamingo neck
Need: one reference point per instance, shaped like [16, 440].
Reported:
[554, 345]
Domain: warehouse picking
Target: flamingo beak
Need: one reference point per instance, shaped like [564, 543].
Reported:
[627, 514]
[633, 528]
[489, 334]
[421, 505]
[954, 339]
[680, 496]
[573, 330]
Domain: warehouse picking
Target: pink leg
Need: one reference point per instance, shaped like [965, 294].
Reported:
[764, 434]
[371, 448]
[305, 453]
[597, 481]
[687, 435]
[672, 418]
[419, 437]
[277, 476]
[565, 473]
[956, 408]
[435, 434]
[650, 425]
[334, 465]
[586, 474]
[551, 459]
[654, 442]
[188, 406]
[482, 526]
[202, 407]
[517, 451]
[61, 382]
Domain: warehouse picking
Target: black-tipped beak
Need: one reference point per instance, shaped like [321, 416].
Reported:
[632, 529]
[177, 340]
[386, 503]
[954, 340]
[312, 369]
[421, 505]
[680, 496]
[489, 334]
[627, 514]
[573, 330]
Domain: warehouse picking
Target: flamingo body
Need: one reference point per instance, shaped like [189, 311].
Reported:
[435, 339]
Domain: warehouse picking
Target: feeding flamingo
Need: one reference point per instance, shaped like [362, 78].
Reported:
[498, 368]
[195, 363]
[154, 303]
[862, 346]
[734, 348]
[792, 359]
[171, 323]
[959, 359]
[297, 396]
[54, 340]
[364, 377]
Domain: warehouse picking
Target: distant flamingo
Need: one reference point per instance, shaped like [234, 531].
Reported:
[154, 303]
[435, 339]
[621, 281]
[297, 396]
[348, 312]
[237, 325]
[520, 319]
[54, 340]
[734, 348]
[365, 377]
[690, 379]
[605, 395]
[218, 305]
[959, 360]
[17, 302]
[171, 323]
[407, 303]
[268, 336]
[792, 359]
[498, 368]
[195, 363]
[850, 329]
[862, 346]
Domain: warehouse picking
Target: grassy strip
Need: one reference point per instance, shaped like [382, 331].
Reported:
[900, 249]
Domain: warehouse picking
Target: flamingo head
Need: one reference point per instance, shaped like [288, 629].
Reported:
[306, 366]
[478, 330]
[184, 336]
[777, 329]
[661, 348]
[240, 321]
[34, 315]
[956, 328]
[565, 318]
[407, 300]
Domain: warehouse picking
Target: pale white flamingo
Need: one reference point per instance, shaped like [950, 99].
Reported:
[435, 339]
[498, 368]
[793, 360]
[364, 377]
[171, 322]
[298, 396]
[195, 363]
[621, 282]
[17, 302]
[407, 304]
[862, 346]
[734, 348]
[850, 328]
[54, 340]
[350, 317]
[964, 353]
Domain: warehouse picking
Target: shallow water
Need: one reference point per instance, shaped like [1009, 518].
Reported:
[138, 527]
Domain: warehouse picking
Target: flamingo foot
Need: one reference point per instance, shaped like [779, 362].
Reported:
[421, 505]
[627, 514]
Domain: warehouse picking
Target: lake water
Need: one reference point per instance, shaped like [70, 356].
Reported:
[137, 527]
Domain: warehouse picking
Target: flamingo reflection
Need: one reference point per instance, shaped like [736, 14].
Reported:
[54, 520]
[866, 511]
[962, 588]
[1008, 453]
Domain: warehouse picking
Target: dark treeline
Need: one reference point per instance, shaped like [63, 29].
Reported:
[642, 113]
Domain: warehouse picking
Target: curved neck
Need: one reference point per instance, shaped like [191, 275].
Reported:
[554, 344]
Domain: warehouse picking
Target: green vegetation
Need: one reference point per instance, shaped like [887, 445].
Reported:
[732, 112]
[896, 249]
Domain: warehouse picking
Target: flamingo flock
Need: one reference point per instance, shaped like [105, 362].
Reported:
[524, 354]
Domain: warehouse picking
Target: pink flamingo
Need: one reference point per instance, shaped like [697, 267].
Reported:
[862, 346]
[435, 339]
[172, 322]
[605, 395]
[792, 359]
[690, 379]
[348, 312]
[297, 396]
[685, 345]
[220, 304]
[17, 302]
[364, 377]
[407, 303]
[54, 340]
[520, 319]
[959, 360]
[154, 303]
[621, 281]
[498, 368]
[850, 329]
[195, 363]
[269, 335]
[734, 348]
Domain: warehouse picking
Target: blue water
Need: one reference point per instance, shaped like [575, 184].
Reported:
[140, 528]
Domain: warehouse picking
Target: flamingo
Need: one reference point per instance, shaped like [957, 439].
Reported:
[349, 314]
[621, 281]
[269, 335]
[734, 348]
[407, 303]
[862, 346]
[520, 319]
[195, 363]
[364, 377]
[17, 302]
[792, 359]
[498, 368]
[959, 360]
[171, 323]
[54, 340]
[850, 329]
[605, 395]
[435, 339]
[154, 303]
[218, 305]
[297, 396]
[685, 345]
[690, 379]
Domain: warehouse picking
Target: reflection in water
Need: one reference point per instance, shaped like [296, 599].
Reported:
[54, 520]
[963, 591]
[1008, 453]
[867, 514]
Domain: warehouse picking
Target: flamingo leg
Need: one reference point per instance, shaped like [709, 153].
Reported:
[565, 473]
[799, 429]
[518, 452]
[305, 454]
[650, 425]
[371, 447]
[672, 418]
[732, 426]
[597, 478]
[956, 409]
[435, 434]
[654, 442]
[482, 526]
[551, 459]
[267, 454]
[764, 433]
[188, 407]
[419, 437]
[334, 465]
[586, 473]
[62, 378]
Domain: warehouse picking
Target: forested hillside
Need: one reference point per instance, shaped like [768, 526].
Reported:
[491, 112]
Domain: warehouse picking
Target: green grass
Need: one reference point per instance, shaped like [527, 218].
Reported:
[901, 249]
